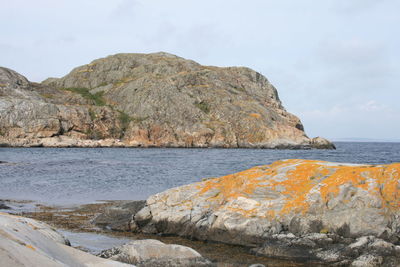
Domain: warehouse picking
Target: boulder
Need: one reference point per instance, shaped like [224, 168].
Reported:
[4, 206]
[321, 143]
[152, 252]
[27, 242]
[119, 217]
[295, 197]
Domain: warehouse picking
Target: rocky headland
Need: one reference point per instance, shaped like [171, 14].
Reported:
[303, 210]
[148, 100]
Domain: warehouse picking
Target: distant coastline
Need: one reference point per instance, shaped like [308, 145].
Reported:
[365, 140]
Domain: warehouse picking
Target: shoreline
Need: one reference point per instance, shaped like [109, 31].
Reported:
[77, 220]
[345, 214]
[60, 141]
[168, 147]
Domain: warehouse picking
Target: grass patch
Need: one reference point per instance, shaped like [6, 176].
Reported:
[92, 115]
[102, 84]
[49, 96]
[203, 106]
[94, 134]
[241, 89]
[125, 119]
[97, 98]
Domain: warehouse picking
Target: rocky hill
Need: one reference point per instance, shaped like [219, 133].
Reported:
[157, 100]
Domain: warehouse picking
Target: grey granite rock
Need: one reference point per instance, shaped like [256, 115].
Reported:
[119, 217]
[303, 210]
[27, 242]
[150, 252]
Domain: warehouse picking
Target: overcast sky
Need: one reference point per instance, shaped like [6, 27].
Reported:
[335, 63]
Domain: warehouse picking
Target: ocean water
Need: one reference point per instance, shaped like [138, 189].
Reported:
[66, 176]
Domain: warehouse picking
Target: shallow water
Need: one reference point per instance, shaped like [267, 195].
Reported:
[222, 255]
[67, 176]
[91, 242]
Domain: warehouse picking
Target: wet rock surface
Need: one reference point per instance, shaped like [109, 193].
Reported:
[4, 206]
[119, 217]
[332, 249]
[77, 223]
[314, 211]
[148, 100]
[150, 252]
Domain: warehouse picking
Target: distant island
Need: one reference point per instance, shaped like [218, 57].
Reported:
[148, 100]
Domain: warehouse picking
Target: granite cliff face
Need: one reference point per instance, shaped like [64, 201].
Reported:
[158, 100]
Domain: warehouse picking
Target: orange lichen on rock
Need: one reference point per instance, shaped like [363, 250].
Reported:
[31, 247]
[255, 115]
[235, 185]
[381, 181]
[295, 180]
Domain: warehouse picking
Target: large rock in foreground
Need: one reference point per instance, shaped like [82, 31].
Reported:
[158, 100]
[151, 252]
[300, 204]
[27, 242]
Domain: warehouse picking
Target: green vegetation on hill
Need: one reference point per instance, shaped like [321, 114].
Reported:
[125, 119]
[84, 92]
[203, 106]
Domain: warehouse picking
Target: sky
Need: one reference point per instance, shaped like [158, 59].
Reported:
[335, 63]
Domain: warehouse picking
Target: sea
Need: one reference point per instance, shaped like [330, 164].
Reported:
[69, 176]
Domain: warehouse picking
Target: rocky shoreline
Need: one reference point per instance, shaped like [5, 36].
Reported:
[66, 141]
[103, 218]
[302, 212]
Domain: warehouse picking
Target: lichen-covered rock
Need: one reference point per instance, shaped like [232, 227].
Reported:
[146, 100]
[27, 242]
[299, 197]
[150, 252]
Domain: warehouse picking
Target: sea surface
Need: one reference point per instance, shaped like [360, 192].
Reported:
[67, 176]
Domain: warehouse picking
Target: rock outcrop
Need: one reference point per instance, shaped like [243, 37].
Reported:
[151, 252]
[27, 242]
[119, 217]
[157, 100]
[3, 206]
[297, 209]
